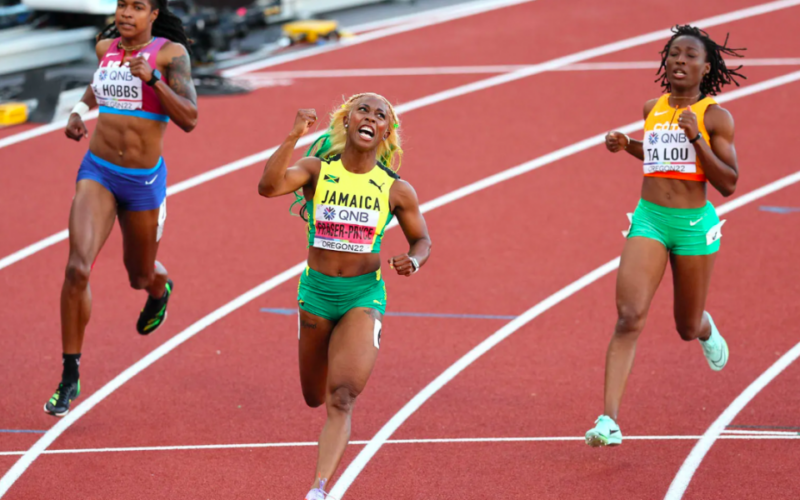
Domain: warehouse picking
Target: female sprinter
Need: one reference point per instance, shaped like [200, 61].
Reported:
[123, 173]
[351, 196]
[688, 141]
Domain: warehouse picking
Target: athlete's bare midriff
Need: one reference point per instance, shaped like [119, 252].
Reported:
[128, 141]
[674, 193]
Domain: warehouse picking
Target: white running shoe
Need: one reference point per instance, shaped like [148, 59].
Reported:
[605, 433]
[715, 348]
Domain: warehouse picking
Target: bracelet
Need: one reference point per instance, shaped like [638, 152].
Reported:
[414, 264]
[699, 135]
[81, 109]
[627, 143]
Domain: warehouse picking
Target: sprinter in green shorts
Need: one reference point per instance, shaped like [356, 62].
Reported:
[351, 194]
[688, 142]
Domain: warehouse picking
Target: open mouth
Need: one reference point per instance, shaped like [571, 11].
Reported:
[366, 132]
[679, 74]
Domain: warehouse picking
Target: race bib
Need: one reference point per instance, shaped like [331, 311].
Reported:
[345, 229]
[115, 87]
[668, 151]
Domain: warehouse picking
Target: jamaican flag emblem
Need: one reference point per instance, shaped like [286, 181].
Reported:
[332, 179]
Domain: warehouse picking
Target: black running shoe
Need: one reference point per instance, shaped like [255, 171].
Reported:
[58, 406]
[154, 313]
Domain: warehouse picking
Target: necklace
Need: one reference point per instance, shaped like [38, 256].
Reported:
[135, 47]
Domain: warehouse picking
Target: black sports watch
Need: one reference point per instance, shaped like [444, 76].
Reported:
[156, 77]
[699, 135]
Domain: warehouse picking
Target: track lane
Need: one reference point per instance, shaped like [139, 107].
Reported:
[547, 189]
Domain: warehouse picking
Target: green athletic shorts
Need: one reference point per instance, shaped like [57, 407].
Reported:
[684, 231]
[331, 297]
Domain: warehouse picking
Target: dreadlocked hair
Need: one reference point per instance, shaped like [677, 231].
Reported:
[332, 142]
[167, 25]
[719, 75]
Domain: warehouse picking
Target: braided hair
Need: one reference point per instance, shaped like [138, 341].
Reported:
[718, 76]
[167, 25]
[332, 142]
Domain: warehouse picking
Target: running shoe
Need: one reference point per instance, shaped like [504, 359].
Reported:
[58, 405]
[605, 433]
[715, 348]
[154, 313]
[317, 493]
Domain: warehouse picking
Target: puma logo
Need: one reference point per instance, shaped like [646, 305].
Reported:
[380, 188]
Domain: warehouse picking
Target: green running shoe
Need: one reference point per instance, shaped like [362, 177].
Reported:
[154, 313]
[605, 433]
[715, 348]
[58, 405]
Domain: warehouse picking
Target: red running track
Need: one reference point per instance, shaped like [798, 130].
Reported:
[498, 252]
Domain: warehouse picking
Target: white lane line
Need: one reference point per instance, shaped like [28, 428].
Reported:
[361, 460]
[432, 17]
[305, 444]
[762, 433]
[439, 97]
[435, 17]
[52, 434]
[479, 70]
[684, 476]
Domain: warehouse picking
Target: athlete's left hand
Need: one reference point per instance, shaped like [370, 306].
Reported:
[402, 264]
[141, 69]
[688, 123]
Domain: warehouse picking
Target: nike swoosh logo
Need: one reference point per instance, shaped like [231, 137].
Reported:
[151, 180]
[661, 113]
[695, 222]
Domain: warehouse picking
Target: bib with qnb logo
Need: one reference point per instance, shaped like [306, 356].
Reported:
[667, 151]
[349, 212]
[117, 91]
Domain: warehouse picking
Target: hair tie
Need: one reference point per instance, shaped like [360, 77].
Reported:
[396, 125]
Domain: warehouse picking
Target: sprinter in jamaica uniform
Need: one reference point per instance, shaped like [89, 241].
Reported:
[688, 143]
[351, 194]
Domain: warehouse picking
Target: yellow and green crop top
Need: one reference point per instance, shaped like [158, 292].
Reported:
[349, 212]
[667, 151]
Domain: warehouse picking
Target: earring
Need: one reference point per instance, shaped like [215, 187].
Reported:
[345, 125]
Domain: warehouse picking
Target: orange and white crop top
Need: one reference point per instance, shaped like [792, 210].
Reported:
[667, 151]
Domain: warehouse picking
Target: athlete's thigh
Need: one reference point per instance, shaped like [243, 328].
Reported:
[140, 240]
[691, 278]
[353, 349]
[641, 268]
[314, 335]
[91, 219]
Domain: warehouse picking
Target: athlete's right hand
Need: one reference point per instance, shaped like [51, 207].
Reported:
[303, 121]
[616, 142]
[76, 129]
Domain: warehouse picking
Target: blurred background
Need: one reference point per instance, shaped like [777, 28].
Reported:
[47, 46]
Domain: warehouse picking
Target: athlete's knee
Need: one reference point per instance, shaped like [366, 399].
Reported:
[630, 319]
[342, 398]
[689, 330]
[140, 281]
[77, 273]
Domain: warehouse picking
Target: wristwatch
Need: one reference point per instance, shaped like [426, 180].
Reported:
[414, 263]
[156, 77]
[699, 135]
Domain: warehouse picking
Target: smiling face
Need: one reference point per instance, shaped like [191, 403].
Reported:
[686, 63]
[134, 17]
[368, 122]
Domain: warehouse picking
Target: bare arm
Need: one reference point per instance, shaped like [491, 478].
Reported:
[617, 141]
[718, 155]
[406, 208]
[76, 128]
[179, 97]
[278, 177]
